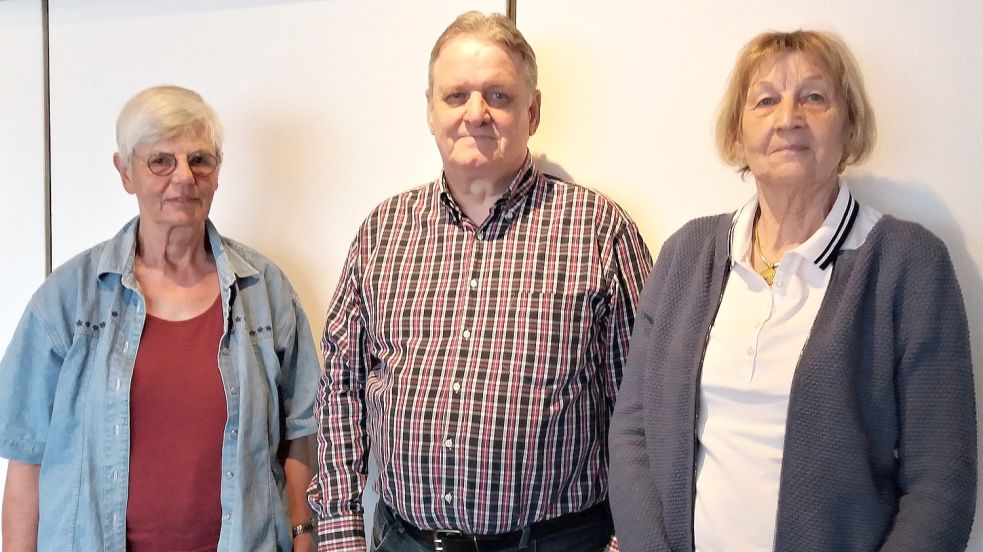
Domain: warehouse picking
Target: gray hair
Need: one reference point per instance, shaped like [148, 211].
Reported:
[162, 113]
[496, 28]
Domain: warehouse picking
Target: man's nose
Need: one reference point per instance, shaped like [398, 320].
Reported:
[476, 109]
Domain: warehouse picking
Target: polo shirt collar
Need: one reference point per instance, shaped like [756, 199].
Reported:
[821, 248]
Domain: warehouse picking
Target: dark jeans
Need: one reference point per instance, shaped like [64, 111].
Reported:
[389, 535]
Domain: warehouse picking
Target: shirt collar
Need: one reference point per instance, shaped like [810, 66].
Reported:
[821, 248]
[119, 254]
[521, 185]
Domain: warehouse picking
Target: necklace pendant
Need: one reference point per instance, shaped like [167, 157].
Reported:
[768, 274]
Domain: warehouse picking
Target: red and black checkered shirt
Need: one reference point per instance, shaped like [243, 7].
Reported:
[480, 362]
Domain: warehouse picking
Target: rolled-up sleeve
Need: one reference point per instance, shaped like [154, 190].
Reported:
[299, 369]
[28, 383]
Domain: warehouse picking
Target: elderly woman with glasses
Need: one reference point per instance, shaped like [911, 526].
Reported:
[800, 376]
[158, 391]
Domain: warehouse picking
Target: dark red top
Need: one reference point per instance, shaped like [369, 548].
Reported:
[177, 420]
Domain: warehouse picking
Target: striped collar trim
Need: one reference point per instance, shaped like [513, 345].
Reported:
[824, 244]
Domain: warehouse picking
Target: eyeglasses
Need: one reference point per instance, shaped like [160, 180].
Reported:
[200, 163]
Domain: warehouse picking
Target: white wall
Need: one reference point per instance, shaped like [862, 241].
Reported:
[21, 163]
[630, 89]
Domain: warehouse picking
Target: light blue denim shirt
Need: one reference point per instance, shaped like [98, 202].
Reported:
[65, 394]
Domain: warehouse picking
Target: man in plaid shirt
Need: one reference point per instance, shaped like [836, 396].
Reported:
[477, 335]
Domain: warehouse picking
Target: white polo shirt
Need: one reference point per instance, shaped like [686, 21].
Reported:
[747, 373]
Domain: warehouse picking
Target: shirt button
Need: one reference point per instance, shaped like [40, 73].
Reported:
[779, 283]
[448, 498]
[227, 516]
[473, 283]
[750, 351]
[449, 443]
[126, 346]
[456, 387]
[235, 432]
[481, 235]
[115, 475]
[508, 215]
[466, 334]
[230, 475]
[234, 390]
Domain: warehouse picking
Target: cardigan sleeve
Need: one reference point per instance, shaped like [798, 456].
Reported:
[635, 506]
[936, 448]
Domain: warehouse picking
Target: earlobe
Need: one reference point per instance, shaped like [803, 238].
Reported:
[535, 109]
[429, 95]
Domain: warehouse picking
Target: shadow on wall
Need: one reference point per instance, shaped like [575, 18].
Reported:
[911, 201]
[552, 168]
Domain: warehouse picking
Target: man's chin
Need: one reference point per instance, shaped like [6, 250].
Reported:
[473, 162]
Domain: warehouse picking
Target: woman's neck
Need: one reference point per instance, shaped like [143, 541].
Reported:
[789, 216]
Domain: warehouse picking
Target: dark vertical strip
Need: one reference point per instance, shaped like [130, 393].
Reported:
[47, 137]
[510, 9]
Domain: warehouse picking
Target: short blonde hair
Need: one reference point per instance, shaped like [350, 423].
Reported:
[835, 58]
[163, 113]
[496, 28]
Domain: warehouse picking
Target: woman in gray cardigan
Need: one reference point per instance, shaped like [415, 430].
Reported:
[800, 374]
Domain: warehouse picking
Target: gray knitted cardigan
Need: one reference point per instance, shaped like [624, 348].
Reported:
[880, 443]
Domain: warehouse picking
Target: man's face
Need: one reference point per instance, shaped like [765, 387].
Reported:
[481, 111]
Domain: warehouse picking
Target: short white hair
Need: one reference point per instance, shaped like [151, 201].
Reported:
[162, 113]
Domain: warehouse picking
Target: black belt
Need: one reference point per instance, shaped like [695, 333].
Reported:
[449, 541]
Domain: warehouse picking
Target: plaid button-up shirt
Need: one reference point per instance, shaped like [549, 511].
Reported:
[480, 362]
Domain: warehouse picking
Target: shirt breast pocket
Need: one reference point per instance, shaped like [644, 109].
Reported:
[549, 334]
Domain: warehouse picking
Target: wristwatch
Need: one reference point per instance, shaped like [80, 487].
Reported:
[298, 530]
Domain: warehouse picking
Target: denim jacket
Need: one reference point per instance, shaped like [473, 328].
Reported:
[65, 393]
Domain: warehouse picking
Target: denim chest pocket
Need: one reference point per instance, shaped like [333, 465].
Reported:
[252, 341]
[90, 350]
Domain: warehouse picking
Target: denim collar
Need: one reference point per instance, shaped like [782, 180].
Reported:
[119, 255]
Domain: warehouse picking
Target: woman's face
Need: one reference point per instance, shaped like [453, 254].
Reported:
[792, 130]
[181, 198]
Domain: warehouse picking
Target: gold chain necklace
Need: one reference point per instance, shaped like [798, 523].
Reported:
[768, 272]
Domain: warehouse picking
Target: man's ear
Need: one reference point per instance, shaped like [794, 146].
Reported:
[535, 109]
[124, 173]
[429, 95]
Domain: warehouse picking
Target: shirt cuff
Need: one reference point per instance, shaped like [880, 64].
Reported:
[345, 534]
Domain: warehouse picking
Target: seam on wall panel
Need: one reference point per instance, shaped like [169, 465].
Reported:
[46, 70]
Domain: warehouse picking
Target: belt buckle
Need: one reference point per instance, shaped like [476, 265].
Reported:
[454, 541]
